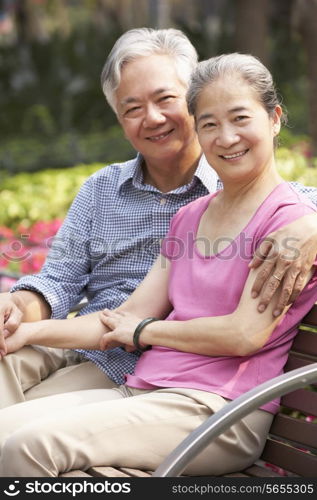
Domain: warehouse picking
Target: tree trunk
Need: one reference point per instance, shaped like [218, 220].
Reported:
[305, 19]
[251, 27]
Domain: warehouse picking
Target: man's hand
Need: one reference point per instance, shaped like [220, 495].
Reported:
[122, 326]
[11, 314]
[18, 339]
[285, 259]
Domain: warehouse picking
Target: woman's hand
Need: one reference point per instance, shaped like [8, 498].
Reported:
[286, 258]
[122, 326]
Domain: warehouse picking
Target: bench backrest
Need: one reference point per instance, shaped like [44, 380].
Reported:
[292, 443]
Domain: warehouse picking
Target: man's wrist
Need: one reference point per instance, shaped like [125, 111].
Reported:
[32, 304]
[17, 298]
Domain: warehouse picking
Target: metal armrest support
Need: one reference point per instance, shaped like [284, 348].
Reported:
[79, 306]
[197, 440]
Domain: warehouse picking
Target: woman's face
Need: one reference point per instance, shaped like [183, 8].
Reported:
[234, 129]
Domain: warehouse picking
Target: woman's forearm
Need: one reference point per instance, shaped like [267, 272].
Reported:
[217, 336]
[83, 332]
[240, 333]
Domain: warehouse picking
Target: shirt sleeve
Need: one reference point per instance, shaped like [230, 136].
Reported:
[308, 191]
[66, 271]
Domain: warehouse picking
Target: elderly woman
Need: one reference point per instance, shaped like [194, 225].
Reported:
[205, 342]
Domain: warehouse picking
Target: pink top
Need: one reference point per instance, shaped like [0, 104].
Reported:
[202, 286]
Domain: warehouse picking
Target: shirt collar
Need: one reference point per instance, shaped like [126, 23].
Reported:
[130, 169]
[204, 173]
[207, 175]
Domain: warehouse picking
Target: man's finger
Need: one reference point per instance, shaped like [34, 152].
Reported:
[262, 278]
[13, 322]
[6, 333]
[260, 254]
[284, 297]
[268, 291]
[273, 282]
[298, 287]
[266, 251]
[293, 283]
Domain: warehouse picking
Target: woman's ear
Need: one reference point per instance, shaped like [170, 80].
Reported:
[277, 119]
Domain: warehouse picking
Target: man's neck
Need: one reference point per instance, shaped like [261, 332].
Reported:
[168, 176]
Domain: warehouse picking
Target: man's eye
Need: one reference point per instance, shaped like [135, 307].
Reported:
[132, 110]
[208, 125]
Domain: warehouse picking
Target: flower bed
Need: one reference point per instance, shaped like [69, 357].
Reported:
[24, 250]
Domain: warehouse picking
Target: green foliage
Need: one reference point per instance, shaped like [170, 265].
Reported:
[291, 164]
[46, 195]
[27, 154]
[54, 85]
[294, 166]
[29, 197]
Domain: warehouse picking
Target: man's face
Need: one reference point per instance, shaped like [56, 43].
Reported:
[152, 110]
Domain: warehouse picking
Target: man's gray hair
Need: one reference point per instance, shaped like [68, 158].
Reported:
[144, 42]
[248, 67]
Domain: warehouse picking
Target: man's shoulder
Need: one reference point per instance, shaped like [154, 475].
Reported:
[114, 171]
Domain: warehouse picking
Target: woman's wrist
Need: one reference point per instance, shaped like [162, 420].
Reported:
[141, 346]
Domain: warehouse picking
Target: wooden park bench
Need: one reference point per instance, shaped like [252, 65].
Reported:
[292, 442]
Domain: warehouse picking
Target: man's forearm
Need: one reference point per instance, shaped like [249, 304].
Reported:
[32, 304]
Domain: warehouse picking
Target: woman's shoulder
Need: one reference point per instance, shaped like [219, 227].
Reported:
[196, 206]
[283, 206]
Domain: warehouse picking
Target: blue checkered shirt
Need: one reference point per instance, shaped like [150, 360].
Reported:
[107, 243]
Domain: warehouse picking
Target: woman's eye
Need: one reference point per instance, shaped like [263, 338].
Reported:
[241, 118]
[166, 98]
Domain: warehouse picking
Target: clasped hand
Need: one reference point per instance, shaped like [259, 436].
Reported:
[122, 326]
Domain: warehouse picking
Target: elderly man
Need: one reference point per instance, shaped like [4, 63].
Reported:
[111, 235]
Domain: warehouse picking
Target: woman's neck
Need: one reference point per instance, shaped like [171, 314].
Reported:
[255, 189]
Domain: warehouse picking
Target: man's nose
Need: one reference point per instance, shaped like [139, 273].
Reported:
[153, 116]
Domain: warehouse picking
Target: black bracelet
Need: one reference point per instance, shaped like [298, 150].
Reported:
[138, 331]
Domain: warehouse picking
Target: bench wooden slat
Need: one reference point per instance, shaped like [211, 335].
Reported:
[294, 429]
[257, 471]
[75, 473]
[311, 318]
[135, 472]
[305, 342]
[236, 474]
[296, 361]
[106, 472]
[290, 459]
[301, 400]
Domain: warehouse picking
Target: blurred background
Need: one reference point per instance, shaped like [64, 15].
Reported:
[56, 127]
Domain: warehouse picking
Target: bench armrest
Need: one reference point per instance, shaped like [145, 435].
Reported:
[197, 440]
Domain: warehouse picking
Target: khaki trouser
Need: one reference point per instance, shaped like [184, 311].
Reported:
[34, 372]
[121, 427]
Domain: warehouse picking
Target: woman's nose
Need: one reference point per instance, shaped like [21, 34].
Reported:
[227, 136]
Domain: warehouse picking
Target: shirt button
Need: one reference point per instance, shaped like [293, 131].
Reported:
[163, 201]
